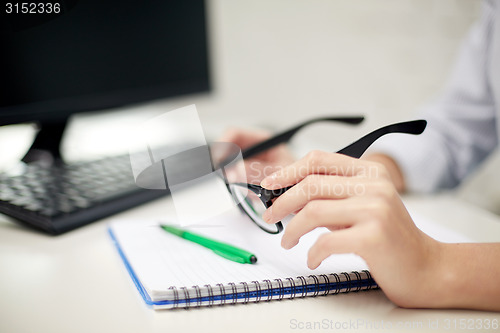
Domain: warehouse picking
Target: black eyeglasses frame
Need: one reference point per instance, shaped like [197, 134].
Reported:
[356, 149]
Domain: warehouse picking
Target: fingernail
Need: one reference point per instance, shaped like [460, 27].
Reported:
[268, 214]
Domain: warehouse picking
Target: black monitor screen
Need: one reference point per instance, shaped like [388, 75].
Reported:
[100, 54]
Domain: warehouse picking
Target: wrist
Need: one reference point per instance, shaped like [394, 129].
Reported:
[451, 285]
[443, 279]
[433, 277]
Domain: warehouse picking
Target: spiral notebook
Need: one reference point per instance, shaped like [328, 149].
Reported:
[171, 272]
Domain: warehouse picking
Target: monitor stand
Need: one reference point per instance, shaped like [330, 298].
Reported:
[45, 149]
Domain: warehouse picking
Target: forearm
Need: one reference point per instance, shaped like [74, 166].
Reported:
[468, 277]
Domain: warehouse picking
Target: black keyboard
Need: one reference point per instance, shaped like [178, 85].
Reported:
[63, 197]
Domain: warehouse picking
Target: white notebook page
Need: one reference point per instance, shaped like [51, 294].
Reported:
[161, 260]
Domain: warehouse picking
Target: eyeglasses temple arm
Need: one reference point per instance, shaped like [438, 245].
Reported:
[285, 136]
[264, 194]
[357, 148]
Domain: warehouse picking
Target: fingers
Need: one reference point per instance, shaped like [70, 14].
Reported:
[323, 213]
[315, 187]
[250, 171]
[340, 241]
[345, 205]
[253, 171]
[323, 163]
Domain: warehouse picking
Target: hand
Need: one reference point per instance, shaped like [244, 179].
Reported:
[358, 203]
[395, 172]
[260, 166]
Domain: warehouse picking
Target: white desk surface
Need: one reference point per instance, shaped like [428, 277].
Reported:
[76, 282]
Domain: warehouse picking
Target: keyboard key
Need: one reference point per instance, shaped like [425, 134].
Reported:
[63, 197]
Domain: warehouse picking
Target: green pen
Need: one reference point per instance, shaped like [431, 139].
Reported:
[222, 249]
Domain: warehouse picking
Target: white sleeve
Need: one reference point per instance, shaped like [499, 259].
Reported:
[461, 129]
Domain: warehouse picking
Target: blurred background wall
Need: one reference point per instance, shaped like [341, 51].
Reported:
[278, 62]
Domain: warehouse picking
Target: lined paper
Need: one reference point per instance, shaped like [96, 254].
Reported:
[162, 260]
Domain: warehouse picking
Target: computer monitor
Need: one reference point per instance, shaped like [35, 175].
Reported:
[96, 55]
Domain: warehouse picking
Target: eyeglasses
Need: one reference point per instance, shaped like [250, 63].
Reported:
[190, 166]
[254, 200]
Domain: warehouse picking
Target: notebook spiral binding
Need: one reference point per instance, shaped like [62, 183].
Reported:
[267, 290]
